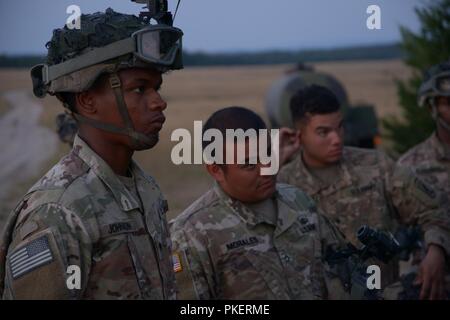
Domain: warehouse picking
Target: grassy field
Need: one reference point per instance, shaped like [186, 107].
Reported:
[194, 93]
[4, 106]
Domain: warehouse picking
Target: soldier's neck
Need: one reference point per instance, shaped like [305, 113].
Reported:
[117, 156]
[312, 163]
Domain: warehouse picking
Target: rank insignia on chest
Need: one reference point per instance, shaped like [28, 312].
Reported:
[176, 260]
[306, 225]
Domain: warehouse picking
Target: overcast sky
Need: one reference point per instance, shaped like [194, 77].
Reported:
[225, 25]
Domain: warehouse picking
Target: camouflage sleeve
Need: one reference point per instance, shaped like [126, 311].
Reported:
[417, 203]
[191, 264]
[45, 242]
[284, 174]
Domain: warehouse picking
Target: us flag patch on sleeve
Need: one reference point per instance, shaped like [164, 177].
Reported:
[176, 260]
[27, 258]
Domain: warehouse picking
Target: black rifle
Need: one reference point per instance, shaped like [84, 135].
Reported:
[350, 261]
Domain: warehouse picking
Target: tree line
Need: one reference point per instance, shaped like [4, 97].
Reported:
[374, 52]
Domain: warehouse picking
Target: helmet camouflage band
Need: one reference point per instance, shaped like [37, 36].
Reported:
[105, 42]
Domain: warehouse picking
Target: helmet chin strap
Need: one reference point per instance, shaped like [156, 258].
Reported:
[435, 114]
[139, 141]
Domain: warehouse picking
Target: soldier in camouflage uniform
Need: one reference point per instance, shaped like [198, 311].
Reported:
[431, 159]
[248, 238]
[96, 211]
[354, 186]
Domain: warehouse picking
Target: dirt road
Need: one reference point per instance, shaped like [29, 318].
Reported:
[24, 145]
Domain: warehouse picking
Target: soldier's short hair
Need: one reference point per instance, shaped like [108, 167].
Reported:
[234, 117]
[312, 100]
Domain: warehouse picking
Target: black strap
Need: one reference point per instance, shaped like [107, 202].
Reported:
[101, 125]
[115, 83]
[137, 139]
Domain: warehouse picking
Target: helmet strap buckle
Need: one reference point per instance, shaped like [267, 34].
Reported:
[114, 81]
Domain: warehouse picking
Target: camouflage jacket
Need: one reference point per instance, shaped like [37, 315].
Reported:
[372, 190]
[80, 214]
[430, 160]
[222, 250]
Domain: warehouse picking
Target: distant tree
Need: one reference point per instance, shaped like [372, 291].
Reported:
[428, 47]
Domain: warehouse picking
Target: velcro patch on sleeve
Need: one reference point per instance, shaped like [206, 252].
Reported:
[33, 255]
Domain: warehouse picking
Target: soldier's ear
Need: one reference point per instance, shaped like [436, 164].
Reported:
[86, 103]
[216, 171]
[298, 135]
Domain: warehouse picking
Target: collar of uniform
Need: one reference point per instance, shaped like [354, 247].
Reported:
[286, 215]
[106, 174]
[137, 171]
[347, 179]
[312, 185]
[144, 185]
[315, 185]
[442, 150]
[240, 209]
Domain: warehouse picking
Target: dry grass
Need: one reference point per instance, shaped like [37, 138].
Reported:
[194, 93]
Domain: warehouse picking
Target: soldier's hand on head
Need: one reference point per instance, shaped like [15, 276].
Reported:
[432, 274]
[289, 144]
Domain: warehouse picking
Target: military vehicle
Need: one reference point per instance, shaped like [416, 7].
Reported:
[361, 125]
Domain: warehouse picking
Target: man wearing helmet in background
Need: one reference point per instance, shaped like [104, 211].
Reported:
[430, 159]
[94, 226]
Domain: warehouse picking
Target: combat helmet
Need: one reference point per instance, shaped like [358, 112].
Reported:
[436, 83]
[104, 44]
